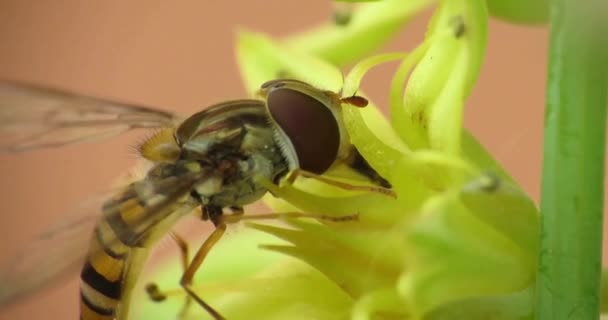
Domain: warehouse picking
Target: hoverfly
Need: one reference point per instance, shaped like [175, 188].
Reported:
[213, 160]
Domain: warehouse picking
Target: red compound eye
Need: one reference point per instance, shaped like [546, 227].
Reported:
[310, 126]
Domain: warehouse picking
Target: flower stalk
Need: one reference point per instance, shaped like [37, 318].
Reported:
[568, 283]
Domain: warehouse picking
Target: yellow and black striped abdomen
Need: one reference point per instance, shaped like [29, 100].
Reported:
[132, 222]
[107, 275]
[103, 274]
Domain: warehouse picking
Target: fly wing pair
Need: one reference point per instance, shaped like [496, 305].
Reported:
[34, 118]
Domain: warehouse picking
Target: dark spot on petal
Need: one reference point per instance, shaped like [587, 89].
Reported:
[459, 26]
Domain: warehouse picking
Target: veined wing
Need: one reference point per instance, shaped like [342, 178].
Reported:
[63, 250]
[35, 117]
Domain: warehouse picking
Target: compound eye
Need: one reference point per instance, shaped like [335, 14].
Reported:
[310, 126]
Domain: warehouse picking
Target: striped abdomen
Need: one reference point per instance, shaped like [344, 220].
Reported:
[119, 247]
[103, 276]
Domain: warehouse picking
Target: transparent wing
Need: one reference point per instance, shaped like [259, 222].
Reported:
[35, 117]
[52, 256]
[61, 251]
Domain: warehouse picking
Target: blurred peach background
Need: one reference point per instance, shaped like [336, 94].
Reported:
[179, 56]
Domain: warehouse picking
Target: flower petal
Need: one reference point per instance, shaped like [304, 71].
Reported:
[453, 256]
[261, 60]
[446, 73]
[521, 11]
[372, 24]
[513, 306]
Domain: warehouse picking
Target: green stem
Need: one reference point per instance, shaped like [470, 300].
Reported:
[568, 281]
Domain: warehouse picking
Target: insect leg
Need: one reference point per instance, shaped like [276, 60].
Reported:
[343, 185]
[275, 216]
[195, 264]
[183, 248]
[154, 291]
